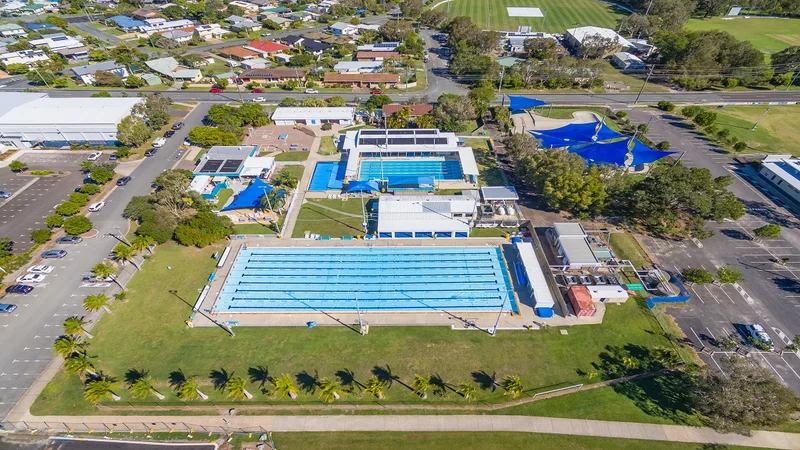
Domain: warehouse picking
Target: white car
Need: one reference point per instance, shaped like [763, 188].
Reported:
[158, 143]
[40, 268]
[259, 99]
[759, 334]
[312, 91]
[31, 278]
[94, 207]
[94, 156]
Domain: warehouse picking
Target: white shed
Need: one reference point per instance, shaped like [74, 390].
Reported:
[313, 116]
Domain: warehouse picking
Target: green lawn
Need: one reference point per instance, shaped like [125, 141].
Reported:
[223, 196]
[490, 232]
[489, 174]
[778, 132]
[326, 146]
[768, 35]
[294, 169]
[292, 156]
[566, 113]
[611, 73]
[252, 228]
[471, 441]
[626, 247]
[315, 217]
[560, 15]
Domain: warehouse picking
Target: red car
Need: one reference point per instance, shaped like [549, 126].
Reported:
[216, 90]
[377, 91]
[258, 91]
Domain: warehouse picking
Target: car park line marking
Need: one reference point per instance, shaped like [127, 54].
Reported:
[712, 334]
[697, 295]
[726, 295]
[771, 366]
[790, 367]
[712, 295]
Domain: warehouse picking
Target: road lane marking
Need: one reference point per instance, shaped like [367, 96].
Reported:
[773, 367]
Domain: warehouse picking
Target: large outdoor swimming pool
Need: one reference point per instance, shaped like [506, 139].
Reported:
[383, 279]
[437, 168]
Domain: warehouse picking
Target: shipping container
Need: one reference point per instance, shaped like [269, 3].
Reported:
[581, 301]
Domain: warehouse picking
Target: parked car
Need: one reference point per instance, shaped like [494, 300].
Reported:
[177, 126]
[158, 143]
[94, 156]
[6, 308]
[257, 91]
[51, 254]
[259, 99]
[376, 92]
[150, 152]
[40, 268]
[123, 181]
[113, 157]
[19, 289]
[5, 194]
[69, 240]
[94, 207]
[216, 90]
[169, 134]
[758, 333]
[31, 278]
[312, 91]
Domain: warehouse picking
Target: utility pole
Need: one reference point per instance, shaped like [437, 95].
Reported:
[500, 84]
[796, 73]
[759, 120]
[42, 78]
[649, 74]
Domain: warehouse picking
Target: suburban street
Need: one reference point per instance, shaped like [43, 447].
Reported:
[29, 332]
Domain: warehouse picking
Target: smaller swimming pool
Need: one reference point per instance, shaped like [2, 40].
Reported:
[327, 176]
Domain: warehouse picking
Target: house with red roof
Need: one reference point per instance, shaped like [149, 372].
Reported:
[266, 48]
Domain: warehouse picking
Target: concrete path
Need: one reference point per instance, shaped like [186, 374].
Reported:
[439, 423]
[302, 186]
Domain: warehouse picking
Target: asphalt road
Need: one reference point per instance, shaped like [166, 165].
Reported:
[770, 294]
[27, 335]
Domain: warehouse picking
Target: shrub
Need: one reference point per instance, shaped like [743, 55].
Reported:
[68, 209]
[705, 118]
[101, 175]
[76, 225]
[79, 198]
[326, 126]
[54, 220]
[123, 152]
[690, 111]
[17, 166]
[740, 146]
[622, 114]
[90, 189]
[699, 276]
[663, 145]
[711, 130]
[723, 133]
[729, 275]
[41, 235]
[136, 207]
[159, 225]
[731, 82]
[203, 229]
[666, 106]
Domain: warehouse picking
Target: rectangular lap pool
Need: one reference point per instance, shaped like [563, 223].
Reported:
[384, 279]
[437, 168]
[327, 176]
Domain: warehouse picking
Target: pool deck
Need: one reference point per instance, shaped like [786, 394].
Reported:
[526, 320]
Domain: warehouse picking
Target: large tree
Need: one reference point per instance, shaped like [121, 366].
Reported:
[744, 397]
[396, 30]
[541, 48]
[453, 112]
[133, 131]
[411, 8]
[155, 110]
[433, 17]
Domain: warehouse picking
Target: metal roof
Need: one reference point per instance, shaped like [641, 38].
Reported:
[92, 68]
[499, 193]
[424, 213]
[83, 111]
[577, 251]
[569, 229]
[338, 113]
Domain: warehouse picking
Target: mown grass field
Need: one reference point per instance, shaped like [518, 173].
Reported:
[778, 131]
[768, 35]
[559, 15]
[147, 333]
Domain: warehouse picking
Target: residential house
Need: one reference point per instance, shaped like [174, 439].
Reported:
[377, 56]
[516, 45]
[210, 31]
[256, 63]
[151, 79]
[32, 9]
[27, 57]
[272, 13]
[247, 6]
[75, 54]
[379, 47]
[266, 48]
[41, 26]
[343, 29]
[509, 61]
[283, 57]
[325, 5]
[230, 76]
[142, 14]
[302, 16]
[262, 3]
[273, 75]
[5, 42]
[358, 67]
[238, 53]
[417, 109]
[309, 45]
[643, 48]
[165, 26]
[55, 42]
[282, 22]
[364, 26]
[12, 30]
[181, 36]
[361, 80]
[125, 23]
[628, 62]
[575, 38]
[245, 25]
[170, 68]
[87, 73]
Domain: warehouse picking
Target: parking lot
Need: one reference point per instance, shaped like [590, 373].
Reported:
[33, 198]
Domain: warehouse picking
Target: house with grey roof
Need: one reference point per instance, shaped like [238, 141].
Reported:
[171, 69]
[179, 36]
[12, 29]
[87, 73]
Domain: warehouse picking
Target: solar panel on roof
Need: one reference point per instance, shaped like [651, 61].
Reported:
[395, 132]
[439, 141]
[401, 141]
[372, 132]
[376, 141]
[425, 131]
[231, 165]
[211, 165]
[425, 141]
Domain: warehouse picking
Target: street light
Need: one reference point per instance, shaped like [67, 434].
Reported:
[358, 310]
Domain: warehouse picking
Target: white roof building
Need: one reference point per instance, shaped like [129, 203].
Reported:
[165, 26]
[608, 293]
[56, 43]
[576, 37]
[782, 172]
[535, 279]
[358, 66]
[425, 216]
[573, 246]
[313, 116]
[247, 6]
[56, 122]
[379, 47]
[27, 57]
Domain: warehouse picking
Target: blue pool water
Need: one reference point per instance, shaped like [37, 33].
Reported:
[436, 168]
[385, 279]
[327, 175]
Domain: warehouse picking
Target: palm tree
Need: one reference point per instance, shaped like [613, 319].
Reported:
[592, 374]
[66, 346]
[666, 356]
[76, 326]
[141, 243]
[96, 302]
[80, 365]
[236, 387]
[100, 388]
[420, 385]
[376, 387]
[630, 362]
[512, 386]
[188, 389]
[125, 254]
[143, 387]
[284, 386]
[106, 270]
[328, 390]
[467, 390]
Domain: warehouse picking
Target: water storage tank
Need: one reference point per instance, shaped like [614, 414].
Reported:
[501, 210]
